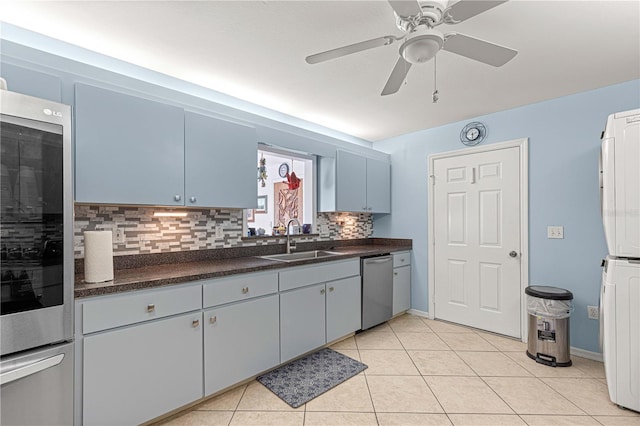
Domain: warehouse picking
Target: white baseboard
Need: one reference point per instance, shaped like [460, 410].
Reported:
[419, 313]
[596, 356]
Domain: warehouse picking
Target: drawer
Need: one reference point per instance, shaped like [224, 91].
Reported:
[133, 308]
[401, 259]
[240, 287]
[307, 275]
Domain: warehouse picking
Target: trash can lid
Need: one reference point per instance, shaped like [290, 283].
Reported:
[548, 292]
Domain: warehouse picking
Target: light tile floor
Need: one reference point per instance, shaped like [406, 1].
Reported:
[424, 372]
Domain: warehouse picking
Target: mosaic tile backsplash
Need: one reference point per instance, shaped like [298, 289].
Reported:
[144, 233]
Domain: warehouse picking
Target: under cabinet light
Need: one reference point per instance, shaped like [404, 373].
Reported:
[169, 214]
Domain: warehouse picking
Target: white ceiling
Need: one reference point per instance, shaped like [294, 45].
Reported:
[255, 50]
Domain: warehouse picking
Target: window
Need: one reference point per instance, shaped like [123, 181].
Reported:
[285, 190]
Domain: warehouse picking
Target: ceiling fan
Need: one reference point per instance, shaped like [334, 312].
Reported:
[418, 20]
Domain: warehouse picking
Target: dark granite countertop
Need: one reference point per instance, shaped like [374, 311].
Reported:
[150, 271]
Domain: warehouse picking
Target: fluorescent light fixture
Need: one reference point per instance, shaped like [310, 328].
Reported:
[169, 214]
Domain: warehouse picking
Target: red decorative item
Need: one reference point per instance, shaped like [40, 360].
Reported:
[293, 181]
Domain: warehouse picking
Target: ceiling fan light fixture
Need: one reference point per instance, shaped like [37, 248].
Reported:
[423, 47]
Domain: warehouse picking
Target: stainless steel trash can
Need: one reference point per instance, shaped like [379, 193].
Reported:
[549, 309]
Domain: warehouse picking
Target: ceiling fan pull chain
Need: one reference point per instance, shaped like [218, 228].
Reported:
[435, 83]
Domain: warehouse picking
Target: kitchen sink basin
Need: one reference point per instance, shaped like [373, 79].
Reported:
[301, 255]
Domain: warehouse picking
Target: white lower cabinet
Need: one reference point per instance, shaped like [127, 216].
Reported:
[134, 374]
[343, 307]
[240, 341]
[302, 321]
[401, 289]
[318, 314]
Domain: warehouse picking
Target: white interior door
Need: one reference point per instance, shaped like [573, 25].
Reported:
[477, 251]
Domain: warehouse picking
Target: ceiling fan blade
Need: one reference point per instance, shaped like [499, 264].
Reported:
[465, 9]
[397, 77]
[478, 50]
[348, 50]
[405, 8]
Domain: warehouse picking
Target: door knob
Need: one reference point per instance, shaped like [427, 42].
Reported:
[177, 197]
[513, 253]
[193, 199]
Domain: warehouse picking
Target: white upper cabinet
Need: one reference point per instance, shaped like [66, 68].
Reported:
[353, 183]
[128, 150]
[131, 150]
[220, 162]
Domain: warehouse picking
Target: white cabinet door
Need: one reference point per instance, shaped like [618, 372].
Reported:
[401, 289]
[302, 321]
[351, 184]
[343, 307]
[128, 150]
[378, 186]
[240, 341]
[132, 375]
[220, 162]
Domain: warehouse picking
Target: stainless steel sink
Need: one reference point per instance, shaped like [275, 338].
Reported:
[301, 255]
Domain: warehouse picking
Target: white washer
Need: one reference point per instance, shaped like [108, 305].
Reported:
[620, 330]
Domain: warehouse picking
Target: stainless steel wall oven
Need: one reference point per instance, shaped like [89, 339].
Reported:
[36, 310]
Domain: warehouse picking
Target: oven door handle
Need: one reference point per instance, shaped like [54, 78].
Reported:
[28, 370]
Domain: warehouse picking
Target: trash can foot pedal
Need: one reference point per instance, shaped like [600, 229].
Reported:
[548, 360]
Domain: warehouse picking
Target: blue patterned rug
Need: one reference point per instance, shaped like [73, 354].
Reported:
[303, 379]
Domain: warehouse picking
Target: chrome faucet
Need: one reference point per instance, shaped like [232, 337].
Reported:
[289, 245]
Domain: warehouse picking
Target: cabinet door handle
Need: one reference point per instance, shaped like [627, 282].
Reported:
[151, 307]
[193, 199]
[195, 323]
[245, 290]
[331, 289]
[395, 273]
[322, 291]
[177, 197]
[213, 319]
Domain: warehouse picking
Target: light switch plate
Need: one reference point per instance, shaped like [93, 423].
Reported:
[324, 229]
[555, 232]
[219, 232]
[118, 236]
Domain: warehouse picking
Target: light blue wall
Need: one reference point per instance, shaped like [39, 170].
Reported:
[564, 143]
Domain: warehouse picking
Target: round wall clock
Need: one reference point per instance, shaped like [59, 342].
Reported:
[283, 170]
[473, 133]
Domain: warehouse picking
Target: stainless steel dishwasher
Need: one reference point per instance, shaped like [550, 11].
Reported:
[377, 289]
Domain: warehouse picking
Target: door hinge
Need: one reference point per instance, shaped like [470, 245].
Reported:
[433, 179]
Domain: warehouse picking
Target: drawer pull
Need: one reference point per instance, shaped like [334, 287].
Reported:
[245, 290]
[395, 273]
[331, 289]
[402, 259]
[195, 323]
[213, 319]
[151, 307]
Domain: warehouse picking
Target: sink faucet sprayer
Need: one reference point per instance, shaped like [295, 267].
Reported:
[291, 246]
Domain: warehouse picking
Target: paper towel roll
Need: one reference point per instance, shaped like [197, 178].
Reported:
[98, 256]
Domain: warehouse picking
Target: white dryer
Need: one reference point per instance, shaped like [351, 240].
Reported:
[620, 330]
[620, 183]
[620, 294]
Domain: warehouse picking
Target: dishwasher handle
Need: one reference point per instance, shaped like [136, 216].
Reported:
[28, 370]
[382, 260]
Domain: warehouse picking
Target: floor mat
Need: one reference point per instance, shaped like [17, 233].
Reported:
[302, 380]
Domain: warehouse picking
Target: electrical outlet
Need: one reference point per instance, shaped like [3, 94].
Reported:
[324, 229]
[219, 232]
[555, 232]
[118, 236]
[593, 312]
